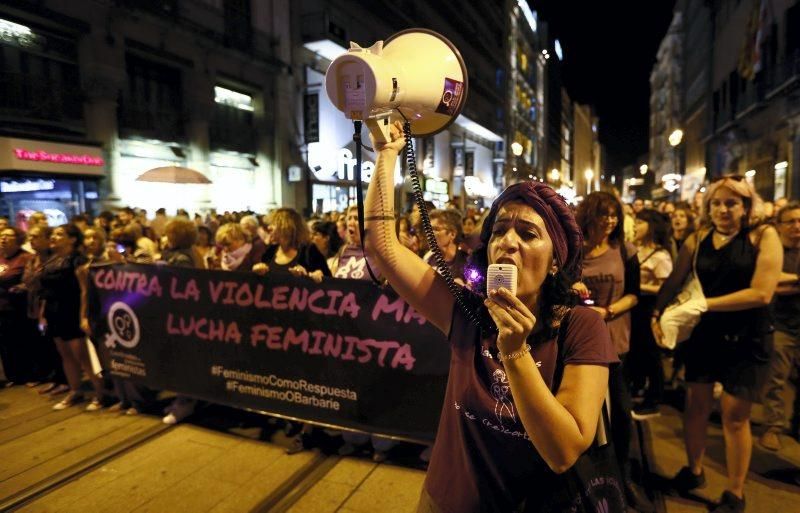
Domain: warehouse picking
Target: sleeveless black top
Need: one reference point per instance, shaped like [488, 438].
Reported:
[724, 271]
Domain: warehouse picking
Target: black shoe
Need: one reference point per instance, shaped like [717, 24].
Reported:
[685, 480]
[637, 498]
[645, 411]
[729, 503]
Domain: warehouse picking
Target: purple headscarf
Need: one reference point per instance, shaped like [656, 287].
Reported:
[558, 220]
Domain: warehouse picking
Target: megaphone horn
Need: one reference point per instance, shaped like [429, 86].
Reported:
[416, 75]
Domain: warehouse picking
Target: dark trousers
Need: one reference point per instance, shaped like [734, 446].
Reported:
[48, 361]
[643, 367]
[16, 349]
[621, 422]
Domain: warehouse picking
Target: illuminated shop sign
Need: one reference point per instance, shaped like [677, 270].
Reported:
[58, 158]
[436, 186]
[21, 35]
[233, 99]
[27, 186]
[344, 169]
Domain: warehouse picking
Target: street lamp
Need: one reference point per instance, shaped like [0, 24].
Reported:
[643, 169]
[516, 149]
[555, 174]
[675, 137]
[589, 174]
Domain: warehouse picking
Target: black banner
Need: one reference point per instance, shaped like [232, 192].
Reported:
[343, 352]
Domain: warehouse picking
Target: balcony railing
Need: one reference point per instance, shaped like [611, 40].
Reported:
[782, 74]
[33, 97]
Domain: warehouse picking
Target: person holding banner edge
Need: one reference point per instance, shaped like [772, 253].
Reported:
[495, 450]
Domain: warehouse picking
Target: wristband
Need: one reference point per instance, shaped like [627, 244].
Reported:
[516, 354]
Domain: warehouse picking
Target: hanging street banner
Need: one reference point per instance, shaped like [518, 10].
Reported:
[344, 352]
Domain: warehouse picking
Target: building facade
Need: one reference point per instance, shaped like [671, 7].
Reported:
[740, 94]
[527, 42]
[755, 94]
[185, 83]
[586, 153]
[665, 110]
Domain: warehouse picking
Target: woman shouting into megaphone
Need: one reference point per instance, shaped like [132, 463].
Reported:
[523, 397]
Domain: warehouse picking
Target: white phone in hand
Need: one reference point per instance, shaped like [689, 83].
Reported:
[502, 275]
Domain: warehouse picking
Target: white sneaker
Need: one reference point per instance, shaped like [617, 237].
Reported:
[170, 419]
[94, 405]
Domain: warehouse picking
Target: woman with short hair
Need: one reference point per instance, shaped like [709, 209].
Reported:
[237, 254]
[446, 226]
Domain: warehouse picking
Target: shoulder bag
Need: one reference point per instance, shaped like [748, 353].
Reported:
[594, 483]
[682, 315]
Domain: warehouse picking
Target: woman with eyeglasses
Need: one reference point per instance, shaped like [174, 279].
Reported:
[738, 264]
[446, 225]
[610, 285]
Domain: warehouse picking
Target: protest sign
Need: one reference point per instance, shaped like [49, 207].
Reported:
[343, 352]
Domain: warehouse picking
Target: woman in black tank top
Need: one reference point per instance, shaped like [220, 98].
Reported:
[738, 265]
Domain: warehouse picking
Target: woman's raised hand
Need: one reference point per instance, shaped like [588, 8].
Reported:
[261, 269]
[513, 319]
[397, 143]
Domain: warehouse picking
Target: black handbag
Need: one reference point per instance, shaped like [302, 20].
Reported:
[594, 483]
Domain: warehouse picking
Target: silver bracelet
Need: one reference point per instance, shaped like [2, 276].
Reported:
[516, 354]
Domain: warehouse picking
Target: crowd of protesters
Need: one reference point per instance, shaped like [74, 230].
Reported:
[744, 251]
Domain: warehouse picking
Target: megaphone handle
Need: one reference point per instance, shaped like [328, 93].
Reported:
[379, 128]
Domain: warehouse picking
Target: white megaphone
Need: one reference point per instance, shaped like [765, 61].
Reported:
[416, 72]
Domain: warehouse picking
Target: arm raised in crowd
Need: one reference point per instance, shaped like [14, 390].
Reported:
[765, 278]
[416, 282]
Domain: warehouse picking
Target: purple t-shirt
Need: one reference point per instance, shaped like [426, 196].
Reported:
[353, 265]
[604, 275]
[483, 460]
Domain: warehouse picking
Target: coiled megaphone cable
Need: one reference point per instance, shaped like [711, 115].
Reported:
[471, 313]
[360, 197]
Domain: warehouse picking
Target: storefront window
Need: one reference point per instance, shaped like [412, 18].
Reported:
[58, 198]
[329, 198]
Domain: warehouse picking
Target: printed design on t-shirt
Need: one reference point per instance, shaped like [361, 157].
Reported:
[593, 283]
[354, 269]
[500, 390]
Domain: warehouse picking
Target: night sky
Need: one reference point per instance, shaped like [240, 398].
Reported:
[609, 51]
